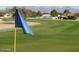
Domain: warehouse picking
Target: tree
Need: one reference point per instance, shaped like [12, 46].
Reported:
[77, 14]
[72, 17]
[1, 14]
[12, 10]
[66, 11]
[54, 13]
[26, 12]
[39, 13]
[34, 14]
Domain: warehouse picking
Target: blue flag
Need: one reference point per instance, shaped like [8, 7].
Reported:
[19, 22]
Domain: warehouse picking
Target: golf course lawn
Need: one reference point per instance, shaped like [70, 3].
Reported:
[6, 41]
[50, 36]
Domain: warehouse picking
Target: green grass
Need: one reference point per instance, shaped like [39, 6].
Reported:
[51, 36]
[6, 41]
[7, 19]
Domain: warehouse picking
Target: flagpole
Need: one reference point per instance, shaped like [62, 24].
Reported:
[15, 33]
[15, 39]
[19, 22]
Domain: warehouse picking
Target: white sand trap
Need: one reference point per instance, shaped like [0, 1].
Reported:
[6, 27]
[33, 23]
[9, 27]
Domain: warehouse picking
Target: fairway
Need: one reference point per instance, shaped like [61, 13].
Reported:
[50, 36]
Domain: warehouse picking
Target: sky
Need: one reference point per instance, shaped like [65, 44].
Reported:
[4, 7]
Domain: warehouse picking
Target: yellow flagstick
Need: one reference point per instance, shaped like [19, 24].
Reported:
[15, 40]
[15, 33]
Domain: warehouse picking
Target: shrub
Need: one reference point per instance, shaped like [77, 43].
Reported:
[72, 17]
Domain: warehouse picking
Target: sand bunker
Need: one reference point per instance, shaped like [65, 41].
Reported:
[33, 23]
[8, 27]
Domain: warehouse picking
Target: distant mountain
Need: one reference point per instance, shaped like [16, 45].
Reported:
[71, 9]
[47, 9]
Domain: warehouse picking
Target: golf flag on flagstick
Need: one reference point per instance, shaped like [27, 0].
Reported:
[20, 22]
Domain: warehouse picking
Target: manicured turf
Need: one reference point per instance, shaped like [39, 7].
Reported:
[6, 41]
[51, 36]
